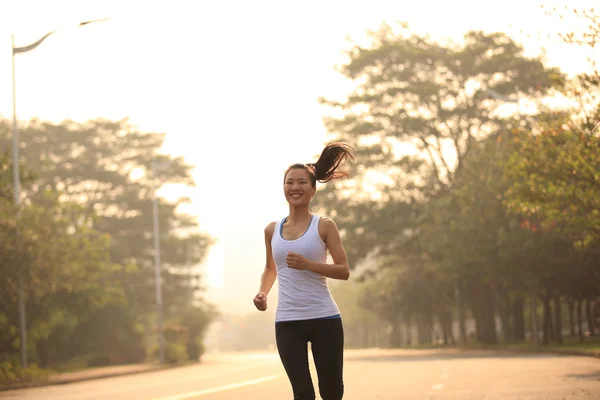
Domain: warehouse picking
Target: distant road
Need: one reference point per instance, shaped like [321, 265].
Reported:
[369, 374]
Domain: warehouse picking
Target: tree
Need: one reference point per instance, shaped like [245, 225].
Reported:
[64, 267]
[103, 168]
[554, 186]
[419, 111]
[554, 177]
[558, 164]
[588, 37]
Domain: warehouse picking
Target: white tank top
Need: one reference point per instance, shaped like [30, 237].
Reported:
[302, 294]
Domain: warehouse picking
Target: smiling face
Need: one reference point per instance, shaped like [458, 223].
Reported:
[298, 187]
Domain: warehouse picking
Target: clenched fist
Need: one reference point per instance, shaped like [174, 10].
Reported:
[296, 261]
[260, 301]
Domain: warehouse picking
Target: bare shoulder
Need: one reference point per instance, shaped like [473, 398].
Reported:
[269, 229]
[327, 225]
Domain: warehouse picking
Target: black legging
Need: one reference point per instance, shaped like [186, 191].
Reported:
[327, 341]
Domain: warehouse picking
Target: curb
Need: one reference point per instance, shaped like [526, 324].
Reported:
[56, 379]
[541, 350]
[582, 353]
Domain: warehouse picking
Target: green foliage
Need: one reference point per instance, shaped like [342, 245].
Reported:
[554, 174]
[419, 108]
[453, 214]
[84, 248]
[360, 322]
[175, 353]
[555, 179]
[176, 337]
[196, 319]
[430, 97]
[12, 374]
[184, 334]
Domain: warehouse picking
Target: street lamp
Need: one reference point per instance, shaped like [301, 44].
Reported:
[17, 181]
[157, 278]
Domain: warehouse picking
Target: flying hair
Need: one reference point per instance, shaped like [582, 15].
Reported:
[326, 167]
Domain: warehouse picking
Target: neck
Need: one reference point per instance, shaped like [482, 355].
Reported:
[298, 214]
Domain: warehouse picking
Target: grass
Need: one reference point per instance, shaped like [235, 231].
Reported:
[591, 346]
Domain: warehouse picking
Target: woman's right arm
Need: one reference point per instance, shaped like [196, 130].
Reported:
[269, 274]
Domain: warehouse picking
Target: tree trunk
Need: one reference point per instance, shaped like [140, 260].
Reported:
[488, 334]
[486, 323]
[428, 325]
[590, 319]
[395, 333]
[449, 329]
[596, 313]
[550, 320]
[43, 358]
[558, 320]
[420, 330]
[579, 321]
[572, 317]
[518, 319]
[534, 318]
[408, 330]
[547, 331]
[504, 311]
[462, 329]
[477, 319]
[442, 321]
[545, 338]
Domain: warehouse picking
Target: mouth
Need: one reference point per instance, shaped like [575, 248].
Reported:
[296, 195]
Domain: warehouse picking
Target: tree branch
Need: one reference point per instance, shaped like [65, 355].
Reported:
[435, 167]
[438, 148]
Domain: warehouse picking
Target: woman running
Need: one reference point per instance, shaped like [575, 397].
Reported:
[297, 253]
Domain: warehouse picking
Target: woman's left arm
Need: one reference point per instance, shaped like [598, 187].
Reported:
[339, 269]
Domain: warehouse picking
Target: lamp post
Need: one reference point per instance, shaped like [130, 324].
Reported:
[157, 265]
[17, 180]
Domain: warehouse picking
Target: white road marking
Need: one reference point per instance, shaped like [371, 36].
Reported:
[437, 386]
[217, 389]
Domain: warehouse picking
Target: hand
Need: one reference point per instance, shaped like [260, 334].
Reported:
[260, 301]
[296, 261]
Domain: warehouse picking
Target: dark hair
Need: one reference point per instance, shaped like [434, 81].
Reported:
[325, 168]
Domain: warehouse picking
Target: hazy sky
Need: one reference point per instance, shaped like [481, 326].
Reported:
[234, 84]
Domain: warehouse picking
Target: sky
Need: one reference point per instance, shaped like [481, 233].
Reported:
[233, 84]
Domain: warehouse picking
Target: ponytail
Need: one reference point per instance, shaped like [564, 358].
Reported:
[326, 167]
[333, 155]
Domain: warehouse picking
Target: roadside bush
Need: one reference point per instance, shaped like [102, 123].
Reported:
[12, 374]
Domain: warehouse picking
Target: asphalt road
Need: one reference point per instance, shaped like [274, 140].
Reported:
[369, 374]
